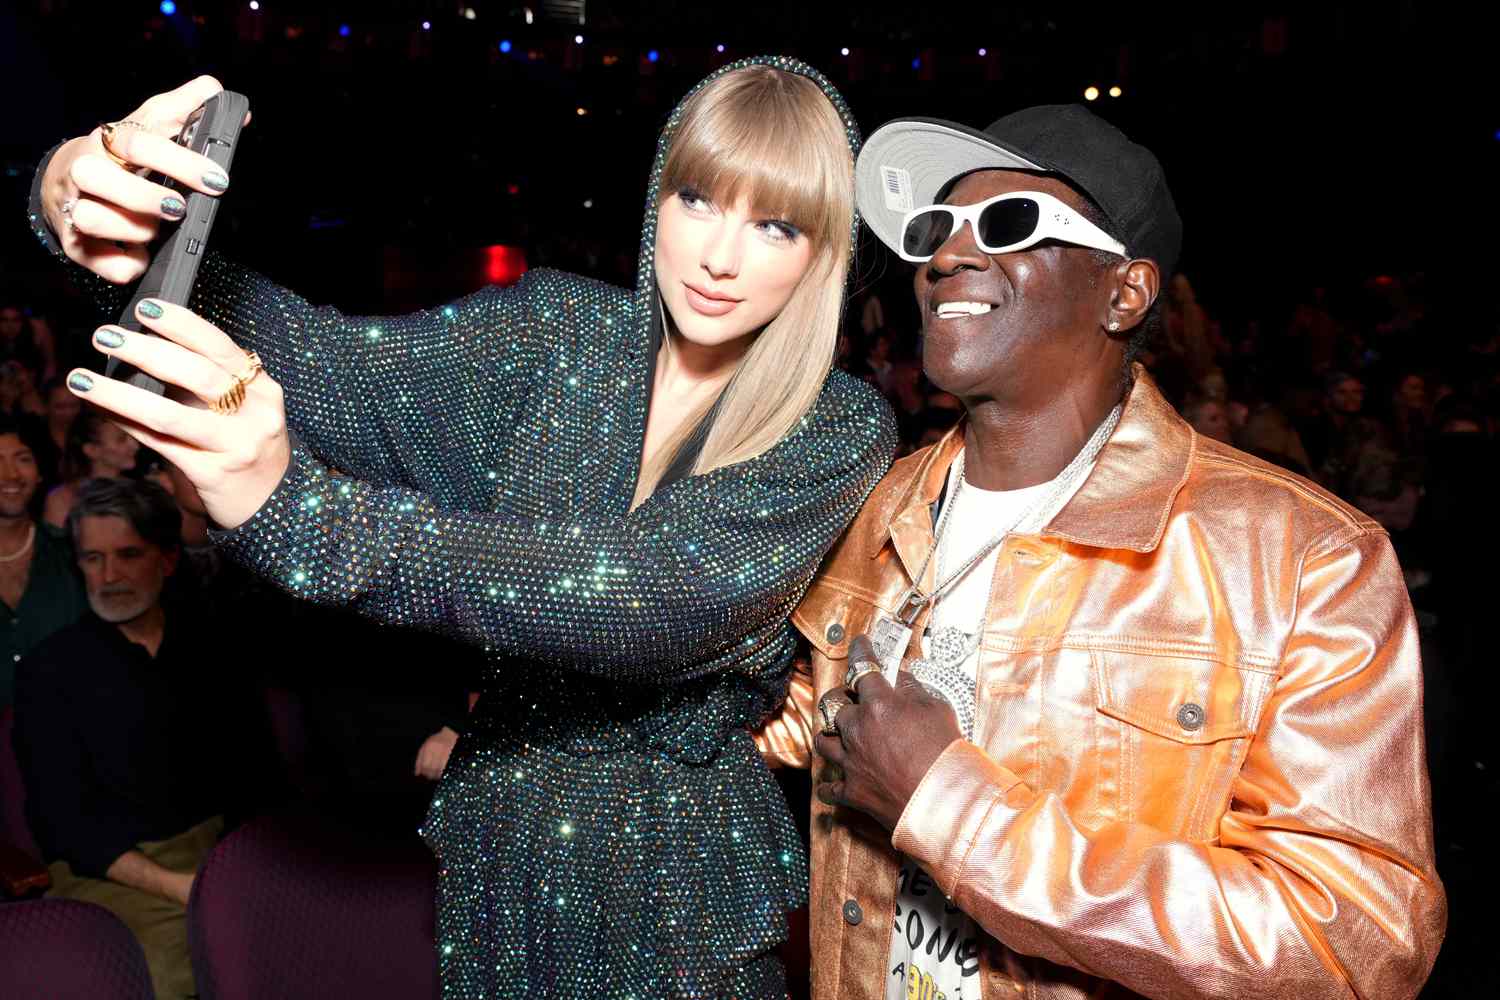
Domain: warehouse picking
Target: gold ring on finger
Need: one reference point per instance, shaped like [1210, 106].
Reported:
[107, 132]
[234, 397]
[829, 707]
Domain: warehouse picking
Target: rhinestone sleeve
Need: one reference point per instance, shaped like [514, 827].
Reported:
[676, 589]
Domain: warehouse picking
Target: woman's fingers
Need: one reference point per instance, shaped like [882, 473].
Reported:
[108, 222]
[198, 335]
[163, 155]
[170, 420]
[114, 263]
[165, 360]
[101, 178]
[172, 107]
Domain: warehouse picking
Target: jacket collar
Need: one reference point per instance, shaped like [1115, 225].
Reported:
[1123, 504]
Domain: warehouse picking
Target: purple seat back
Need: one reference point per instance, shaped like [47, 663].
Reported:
[66, 949]
[295, 906]
[13, 828]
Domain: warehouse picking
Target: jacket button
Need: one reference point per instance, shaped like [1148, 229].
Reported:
[835, 633]
[853, 914]
[1190, 716]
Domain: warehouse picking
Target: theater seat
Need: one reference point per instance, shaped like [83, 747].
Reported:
[299, 906]
[61, 949]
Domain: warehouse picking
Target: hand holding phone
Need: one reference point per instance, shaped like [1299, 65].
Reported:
[213, 131]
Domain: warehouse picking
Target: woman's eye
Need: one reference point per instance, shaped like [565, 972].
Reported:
[782, 232]
[692, 199]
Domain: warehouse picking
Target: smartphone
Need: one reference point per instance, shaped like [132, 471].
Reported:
[214, 131]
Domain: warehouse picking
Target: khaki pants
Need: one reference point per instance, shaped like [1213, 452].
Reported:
[160, 925]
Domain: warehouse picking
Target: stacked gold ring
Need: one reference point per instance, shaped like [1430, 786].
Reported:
[234, 396]
[107, 132]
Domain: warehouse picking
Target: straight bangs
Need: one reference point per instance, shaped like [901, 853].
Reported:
[734, 142]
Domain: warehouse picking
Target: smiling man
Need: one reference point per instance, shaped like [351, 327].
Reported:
[1157, 725]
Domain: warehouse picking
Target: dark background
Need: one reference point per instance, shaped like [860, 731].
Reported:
[1305, 144]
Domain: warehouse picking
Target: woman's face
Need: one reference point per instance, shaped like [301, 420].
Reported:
[1413, 392]
[112, 449]
[725, 271]
[62, 406]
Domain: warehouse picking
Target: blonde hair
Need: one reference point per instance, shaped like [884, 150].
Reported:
[776, 139]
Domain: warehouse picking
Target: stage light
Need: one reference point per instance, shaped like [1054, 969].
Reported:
[426, 25]
[844, 51]
[469, 14]
[653, 55]
[588, 203]
[343, 31]
[719, 48]
[168, 7]
[582, 112]
[1091, 94]
[255, 4]
[983, 53]
[503, 265]
[916, 63]
[1115, 91]
[529, 15]
[505, 45]
[578, 39]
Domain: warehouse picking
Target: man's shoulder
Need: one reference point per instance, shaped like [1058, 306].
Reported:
[1240, 489]
[71, 648]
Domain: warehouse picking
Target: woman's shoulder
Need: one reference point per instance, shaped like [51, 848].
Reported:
[846, 398]
[549, 287]
[576, 308]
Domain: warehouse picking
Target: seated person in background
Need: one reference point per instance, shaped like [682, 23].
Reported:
[382, 707]
[39, 587]
[62, 409]
[96, 449]
[135, 730]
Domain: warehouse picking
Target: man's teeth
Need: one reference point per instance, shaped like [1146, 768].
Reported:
[948, 309]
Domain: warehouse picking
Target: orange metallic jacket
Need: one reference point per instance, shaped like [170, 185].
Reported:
[1198, 766]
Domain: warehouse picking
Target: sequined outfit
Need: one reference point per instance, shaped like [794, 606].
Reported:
[606, 826]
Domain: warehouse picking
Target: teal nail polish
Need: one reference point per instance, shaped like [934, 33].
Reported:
[109, 338]
[79, 382]
[173, 208]
[216, 180]
[149, 309]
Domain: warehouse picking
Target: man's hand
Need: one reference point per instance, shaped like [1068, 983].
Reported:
[888, 738]
[433, 757]
[139, 872]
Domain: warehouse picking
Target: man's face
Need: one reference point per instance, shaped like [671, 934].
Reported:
[11, 322]
[1348, 397]
[123, 573]
[1046, 306]
[1211, 419]
[19, 476]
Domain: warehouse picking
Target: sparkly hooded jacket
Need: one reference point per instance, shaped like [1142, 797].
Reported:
[605, 824]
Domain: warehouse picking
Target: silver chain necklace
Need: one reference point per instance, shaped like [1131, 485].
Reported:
[941, 670]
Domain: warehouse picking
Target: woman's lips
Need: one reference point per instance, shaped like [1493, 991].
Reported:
[706, 306]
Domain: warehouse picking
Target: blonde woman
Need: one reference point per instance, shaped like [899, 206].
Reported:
[620, 494]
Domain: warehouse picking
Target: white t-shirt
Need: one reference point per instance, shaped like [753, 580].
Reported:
[934, 944]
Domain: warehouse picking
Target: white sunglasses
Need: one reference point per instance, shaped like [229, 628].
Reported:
[1001, 224]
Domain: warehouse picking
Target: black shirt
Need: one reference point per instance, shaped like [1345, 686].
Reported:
[53, 598]
[117, 747]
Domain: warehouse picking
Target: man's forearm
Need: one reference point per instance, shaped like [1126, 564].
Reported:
[137, 871]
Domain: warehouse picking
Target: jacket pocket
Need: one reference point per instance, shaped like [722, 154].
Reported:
[1173, 735]
[831, 615]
